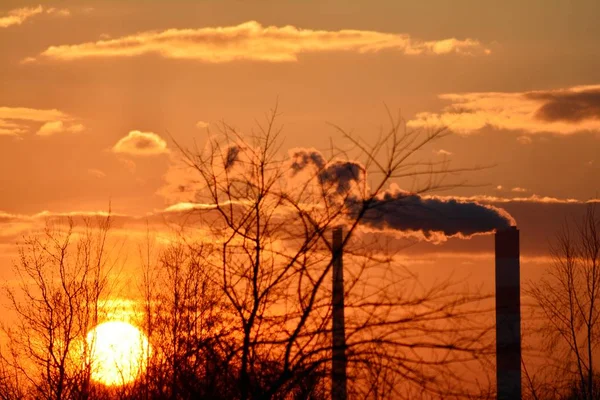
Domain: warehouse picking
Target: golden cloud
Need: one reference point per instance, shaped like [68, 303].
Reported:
[20, 15]
[96, 173]
[442, 152]
[141, 144]
[53, 127]
[10, 128]
[534, 198]
[562, 111]
[16, 121]
[252, 41]
[524, 140]
[32, 114]
[202, 124]
[63, 12]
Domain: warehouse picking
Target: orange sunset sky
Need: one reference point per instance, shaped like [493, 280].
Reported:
[93, 92]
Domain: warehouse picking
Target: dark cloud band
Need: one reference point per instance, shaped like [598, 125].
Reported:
[568, 106]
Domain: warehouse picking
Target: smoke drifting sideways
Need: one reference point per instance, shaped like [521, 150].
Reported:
[436, 219]
[428, 217]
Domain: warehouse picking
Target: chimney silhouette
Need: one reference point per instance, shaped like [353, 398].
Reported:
[338, 368]
[508, 315]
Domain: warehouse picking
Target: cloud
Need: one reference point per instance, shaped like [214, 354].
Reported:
[141, 144]
[202, 124]
[32, 114]
[253, 41]
[10, 129]
[518, 190]
[97, 173]
[534, 198]
[63, 12]
[524, 140]
[187, 206]
[20, 15]
[442, 152]
[17, 121]
[562, 111]
[568, 106]
[53, 127]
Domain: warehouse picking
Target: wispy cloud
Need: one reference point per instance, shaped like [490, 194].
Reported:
[8, 128]
[562, 111]
[202, 124]
[96, 173]
[20, 15]
[63, 12]
[442, 152]
[253, 41]
[141, 144]
[54, 127]
[16, 121]
[534, 198]
[32, 114]
[518, 190]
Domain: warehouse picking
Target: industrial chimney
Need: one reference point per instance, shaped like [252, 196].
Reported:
[338, 368]
[508, 315]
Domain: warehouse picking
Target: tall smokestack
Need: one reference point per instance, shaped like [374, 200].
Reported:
[338, 368]
[508, 315]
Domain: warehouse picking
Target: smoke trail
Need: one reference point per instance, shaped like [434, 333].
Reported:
[403, 211]
[232, 156]
[336, 174]
[400, 210]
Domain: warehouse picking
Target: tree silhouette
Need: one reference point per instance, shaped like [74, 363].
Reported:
[569, 299]
[62, 277]
[270, 220]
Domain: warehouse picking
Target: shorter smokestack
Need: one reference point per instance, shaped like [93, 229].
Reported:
[508, 314]
[338, 367]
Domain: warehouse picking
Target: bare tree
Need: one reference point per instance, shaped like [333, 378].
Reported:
[270, 220]
[569, 297]
[62, 276]
[187, 325]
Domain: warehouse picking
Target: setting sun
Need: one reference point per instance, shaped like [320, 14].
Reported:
[118, 351]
